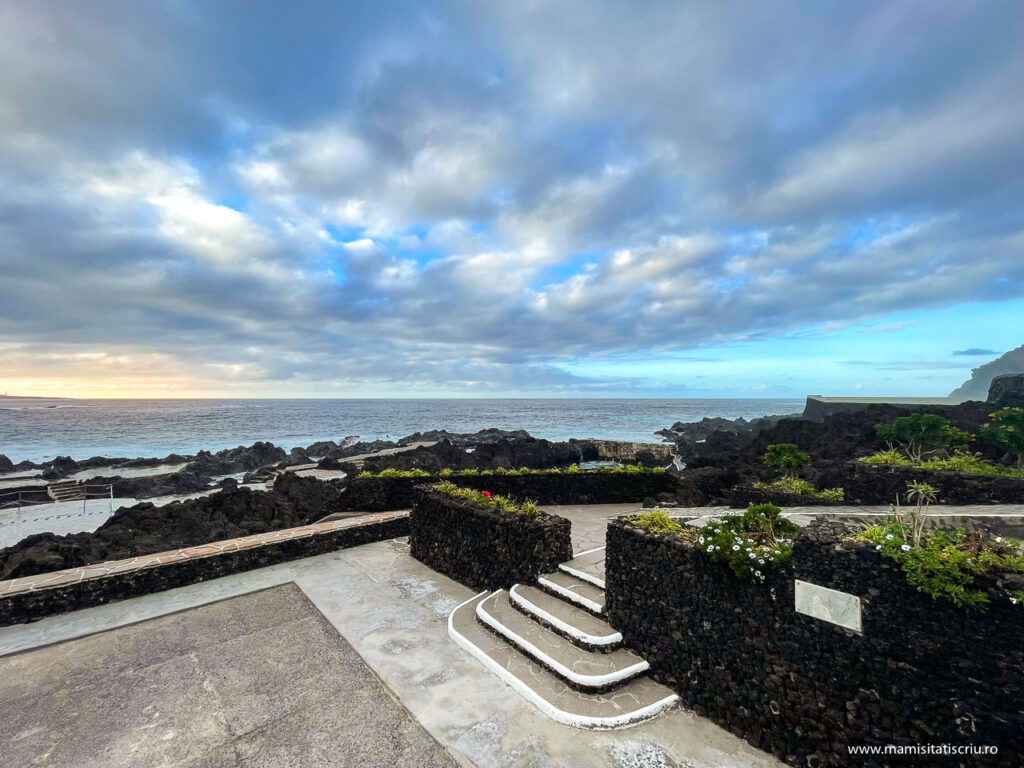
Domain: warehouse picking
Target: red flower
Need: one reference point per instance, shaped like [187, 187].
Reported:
[486, 493]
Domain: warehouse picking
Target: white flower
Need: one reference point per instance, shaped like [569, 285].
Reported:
[905, 547]
[735, 547]
[760, 561]
[701, 539]
[878, 546]
[888, 535]
[710, 547]
[758, 574]
[717, 546]
[752, 555]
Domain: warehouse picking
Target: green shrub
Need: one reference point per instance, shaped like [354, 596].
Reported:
[922, 433]
[657, 520]
[573, 469]
[796, 486]
[945, 564]
[446, 472]
[751, 544]
[401, 473]
[786, 458]
[890, 456]
[962, 461]
[1006, 431]
[364, 473]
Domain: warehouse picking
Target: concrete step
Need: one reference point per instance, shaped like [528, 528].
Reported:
[579, 625]
[65, 490]
[574, 589]
[584, 669]
[631, 702]
[587, 566]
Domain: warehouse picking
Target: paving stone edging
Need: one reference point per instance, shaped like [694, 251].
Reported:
[921, 672]
[31, 598]
[484, 547]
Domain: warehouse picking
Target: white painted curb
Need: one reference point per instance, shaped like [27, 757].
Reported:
[587, 681]
[569, 629]
[574, 597]
[582, 575]
[545, 706]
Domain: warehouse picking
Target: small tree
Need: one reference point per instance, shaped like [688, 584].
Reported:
[922, 433]
[1006, 431]
[786, 458]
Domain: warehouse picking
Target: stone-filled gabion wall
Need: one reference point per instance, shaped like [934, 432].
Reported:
[375, 494]
[32, 606]
[922, 672]
[483, 547]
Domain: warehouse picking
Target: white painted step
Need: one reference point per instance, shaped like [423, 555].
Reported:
[575, 590]
[574, 622]
[631, 702]
[580, 667]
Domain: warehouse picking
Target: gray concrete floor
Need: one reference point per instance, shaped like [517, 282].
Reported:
[257, 680]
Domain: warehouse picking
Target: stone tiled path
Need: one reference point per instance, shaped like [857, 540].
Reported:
[257, 680]
[99, 570]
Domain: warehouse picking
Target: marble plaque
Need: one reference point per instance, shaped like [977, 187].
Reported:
[827, 604]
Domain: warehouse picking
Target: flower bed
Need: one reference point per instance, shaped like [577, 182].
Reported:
[485, 543]
[377, 493]
[921, 671]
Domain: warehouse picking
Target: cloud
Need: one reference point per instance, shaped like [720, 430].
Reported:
[466, 197]
[975, 352]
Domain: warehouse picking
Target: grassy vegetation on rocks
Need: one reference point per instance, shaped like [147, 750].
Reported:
[526, 508]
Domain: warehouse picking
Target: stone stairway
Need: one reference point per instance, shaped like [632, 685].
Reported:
[66, 490]
[551, 643]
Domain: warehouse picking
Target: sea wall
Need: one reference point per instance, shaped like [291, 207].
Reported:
[382, 493]
[483, 547]
[32, 598]
[920, 671]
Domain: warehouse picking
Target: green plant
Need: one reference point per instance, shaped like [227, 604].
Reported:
[750, 544]
[796, 486]
[1017, 597]
[402, 473]
[920, 494]
[657, 520]
[1006, 431]
[945, 564]
[786, 458]
[364, 473]
[922, 433]
[446, 472]
[962, 461]
[528, 509]
[889, 456]
[573, 469]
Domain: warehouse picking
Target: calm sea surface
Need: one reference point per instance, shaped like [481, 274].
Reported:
[42, 429]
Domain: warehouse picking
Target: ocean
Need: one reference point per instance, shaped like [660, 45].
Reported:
[38, 430]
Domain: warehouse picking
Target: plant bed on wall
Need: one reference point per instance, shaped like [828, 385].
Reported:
[485, 540]
[396, 490]
[910, 669]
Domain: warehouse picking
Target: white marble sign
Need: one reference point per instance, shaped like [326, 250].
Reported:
[829, 605]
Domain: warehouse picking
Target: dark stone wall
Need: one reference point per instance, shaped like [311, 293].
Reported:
[32, 606]
[743, 495]
[483, 547]
[373, 494]
[880, 484]
[922, 672]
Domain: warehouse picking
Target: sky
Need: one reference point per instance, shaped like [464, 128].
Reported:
[478, 199]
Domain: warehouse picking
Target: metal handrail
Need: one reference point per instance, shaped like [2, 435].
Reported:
[21, 501]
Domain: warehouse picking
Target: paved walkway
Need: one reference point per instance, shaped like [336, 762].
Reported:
[394, 611]
[257, 680]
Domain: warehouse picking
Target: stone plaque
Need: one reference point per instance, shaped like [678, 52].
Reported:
[829, 605]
